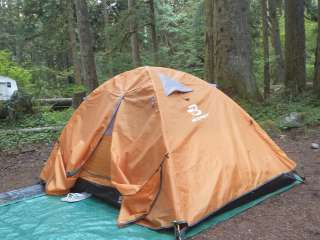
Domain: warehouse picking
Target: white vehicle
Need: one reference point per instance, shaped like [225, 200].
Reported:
[7, 87]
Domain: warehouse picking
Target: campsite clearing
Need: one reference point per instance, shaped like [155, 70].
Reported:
[293, 215]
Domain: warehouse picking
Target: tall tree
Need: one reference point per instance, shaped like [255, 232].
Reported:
[209, 45]
[154, 38]
[265, 27]
[73, 41]
[316, 77]
[86, 45]
[107, 39]
[295, 57]
[232, 56]
[19, 41]
[279, 72]
[133, 28]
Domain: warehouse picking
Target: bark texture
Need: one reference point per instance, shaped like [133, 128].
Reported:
[316, 77]
[74, 60]
[279, 72]
[154, 39]
[266, 65]
[107, 36]
[86, 45]
[209, 38]
[134, 34]
[295, 57]
[232, 48]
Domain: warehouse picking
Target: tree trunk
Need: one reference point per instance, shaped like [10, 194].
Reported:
[295, 77]
[107, 37]
[154, 39]
[134, 34]
[105, 12]
[74, 59]
[86, 45]
[232, 63]
[316, 77]
[265, 27]
[275, 36]
[19, 36]
[209, 38]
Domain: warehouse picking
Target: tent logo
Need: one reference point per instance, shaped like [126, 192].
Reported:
[196, 113]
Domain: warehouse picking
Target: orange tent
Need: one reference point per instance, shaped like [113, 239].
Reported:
[168, 146]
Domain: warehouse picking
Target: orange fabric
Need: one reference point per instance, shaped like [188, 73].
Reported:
[178, 157]
[97, 168]
[138, 205]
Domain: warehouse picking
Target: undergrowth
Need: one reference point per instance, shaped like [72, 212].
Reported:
[10, 140]
[270, 114]
[267, 114]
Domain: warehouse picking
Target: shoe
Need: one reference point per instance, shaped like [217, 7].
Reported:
[76, 197]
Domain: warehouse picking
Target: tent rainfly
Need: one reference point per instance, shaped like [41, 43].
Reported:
[167, 148]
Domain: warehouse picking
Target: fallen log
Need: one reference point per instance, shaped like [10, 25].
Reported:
[31, 130]
[60, 101]
[57, 104]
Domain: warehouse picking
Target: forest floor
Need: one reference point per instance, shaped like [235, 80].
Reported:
[292, 215]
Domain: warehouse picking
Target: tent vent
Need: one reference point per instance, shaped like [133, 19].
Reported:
[170, 86]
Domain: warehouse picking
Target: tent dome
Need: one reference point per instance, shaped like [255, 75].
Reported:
[168, 146]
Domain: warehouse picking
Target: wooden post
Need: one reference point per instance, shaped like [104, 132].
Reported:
[77, 99]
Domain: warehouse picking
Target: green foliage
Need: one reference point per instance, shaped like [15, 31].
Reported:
[41, 119]
[16, 139]
[47, 82]
[35, 34]
[311, 37]
[71, 89]
[270, 113]
[256, 33]
[39, 81]
[11, 69]
[182, 29]
[19, 105]
[3, 110]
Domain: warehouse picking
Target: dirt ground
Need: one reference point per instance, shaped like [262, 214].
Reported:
[292, 215]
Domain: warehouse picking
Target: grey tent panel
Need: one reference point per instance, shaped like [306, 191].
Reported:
[109, 130]
[170, 86]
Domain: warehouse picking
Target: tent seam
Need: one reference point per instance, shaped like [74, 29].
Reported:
[159, 109]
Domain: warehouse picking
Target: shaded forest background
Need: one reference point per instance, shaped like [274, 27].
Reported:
[263, 53]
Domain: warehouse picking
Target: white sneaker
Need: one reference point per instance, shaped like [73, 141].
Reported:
[76, 197]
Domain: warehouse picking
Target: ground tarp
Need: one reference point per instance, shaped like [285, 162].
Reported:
[27, 217]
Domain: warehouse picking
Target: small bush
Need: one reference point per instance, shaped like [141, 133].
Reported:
[3, 109]
[279, 106]
[19, 104]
